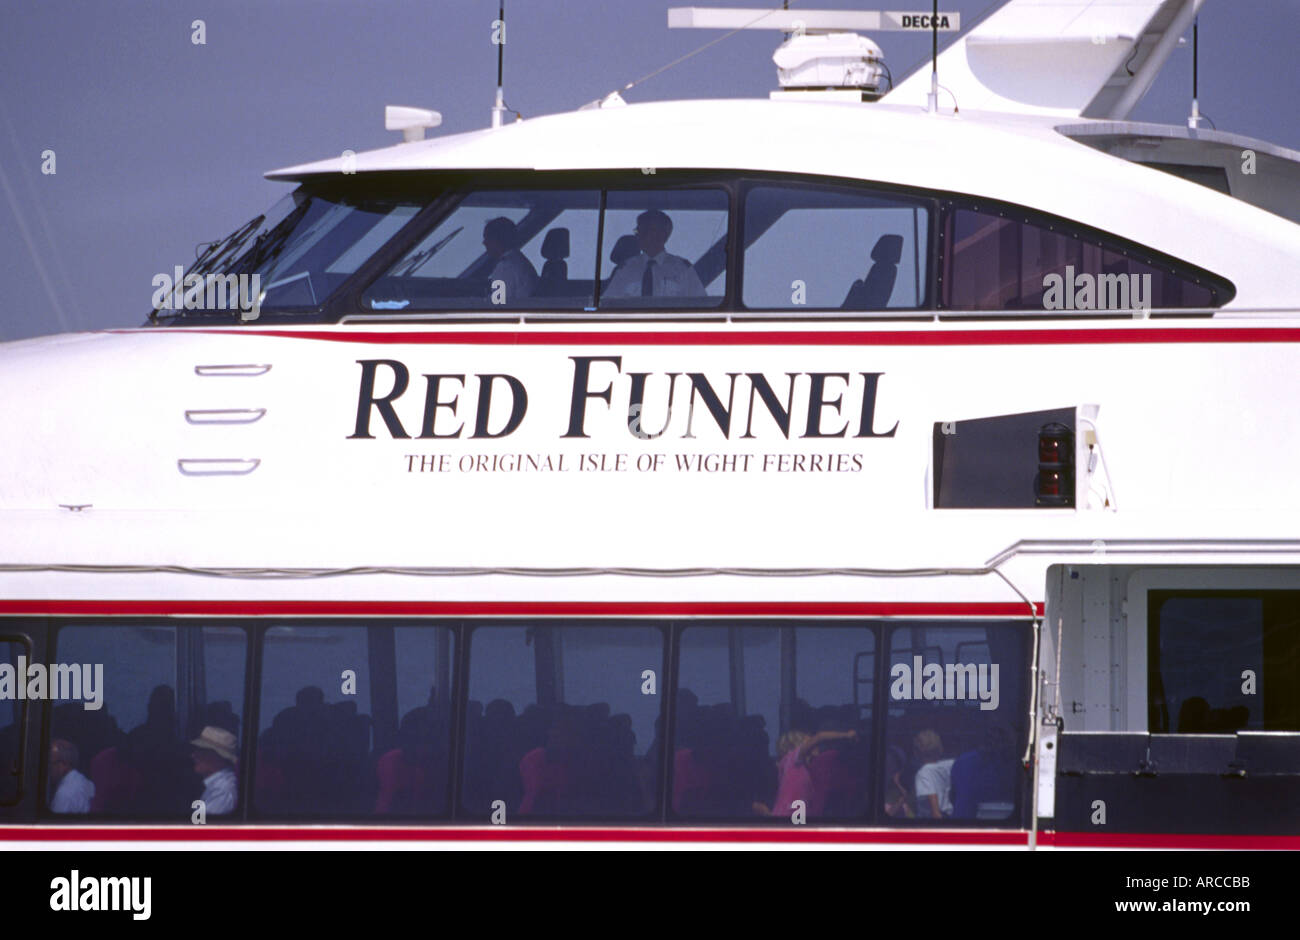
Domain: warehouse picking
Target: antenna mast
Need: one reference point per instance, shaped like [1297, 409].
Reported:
[932, 100]
[499, 109]
[1195, 120]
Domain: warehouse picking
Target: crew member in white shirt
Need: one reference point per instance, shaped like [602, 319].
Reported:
[516, 275]
[72, 790]
[654, 272]
[215, 757]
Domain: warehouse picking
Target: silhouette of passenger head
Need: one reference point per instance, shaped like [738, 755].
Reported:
[928, 746]
[499, 236]
[309, 696]
[162, 706]
[652, 231]
[213, 750]
[63, 758]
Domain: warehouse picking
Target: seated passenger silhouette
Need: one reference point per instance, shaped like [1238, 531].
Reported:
[654, 272]
[796, 750]
[552, 774]
[215, 757]
[413, 776]
[71, 791]
[984, 780]
[898, 799]
[516, 275]
[154, 752]
[934, 779]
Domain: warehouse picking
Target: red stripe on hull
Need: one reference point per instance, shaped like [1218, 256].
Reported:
[950, 337]
[1165, 840]
[506, 834]
[118, 608]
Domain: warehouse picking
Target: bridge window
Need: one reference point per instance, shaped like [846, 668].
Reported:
[1002, 259]
[773, 723]
[1222, 662]
[354, 721]
[134, 755]
[564, 721]
[500, 249]
[664, 249]
[318, 244]
[955, 725]
[832, 248]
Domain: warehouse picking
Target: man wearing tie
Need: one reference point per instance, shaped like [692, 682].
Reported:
[654, 272]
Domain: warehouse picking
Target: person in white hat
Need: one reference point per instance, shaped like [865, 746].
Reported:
[215, 757]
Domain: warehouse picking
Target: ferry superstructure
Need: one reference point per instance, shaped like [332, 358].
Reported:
[964, 474]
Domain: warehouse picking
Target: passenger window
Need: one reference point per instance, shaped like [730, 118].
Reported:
[500, 250]
[158, 724]
[664, 249]
[831, 248]
[1222, 662]
[773, 722]
[354, 721]
[1006, 261]
[955, 727]
[12, 712]
[563, 721]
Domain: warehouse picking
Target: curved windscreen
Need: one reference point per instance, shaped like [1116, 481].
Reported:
[291, 258]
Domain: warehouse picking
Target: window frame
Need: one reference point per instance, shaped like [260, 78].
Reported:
[671, 630]
[21, 717]
[446, 189]
[667, 629]
[346, 302]
[952, 203]
[929, 285]
[1019, 816]
[1155, 600]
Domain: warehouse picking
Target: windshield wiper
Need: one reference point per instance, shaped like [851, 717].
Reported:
[210, 258]
[418, 260]
[270, 244]
[229, 246]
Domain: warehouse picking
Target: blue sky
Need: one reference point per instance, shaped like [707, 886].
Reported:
[161, 144]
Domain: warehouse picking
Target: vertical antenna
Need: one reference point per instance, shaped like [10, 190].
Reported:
[932, 100]
[1195, 120]
[499, 109]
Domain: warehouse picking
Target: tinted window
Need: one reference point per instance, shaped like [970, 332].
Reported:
[354, 721]
[318, 244]
[1003, 260]
[768, 717]
[500, 250]
[561, 721]
[11, 715]
[1221, 662]
[163, 689]
[664, 249]
[955, 728]
[833, 248]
